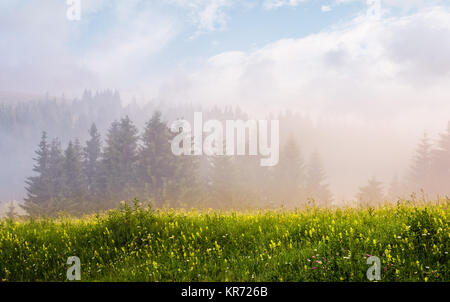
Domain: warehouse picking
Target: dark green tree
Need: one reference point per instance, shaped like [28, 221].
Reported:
[75, 184]
[56, 171]
[119, 160]
[37, 187]
[157, 164]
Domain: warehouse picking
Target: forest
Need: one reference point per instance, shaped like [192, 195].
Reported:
[90, 164]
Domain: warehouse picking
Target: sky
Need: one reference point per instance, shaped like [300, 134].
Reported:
[327, 55]
[351, 59]
[376, 64]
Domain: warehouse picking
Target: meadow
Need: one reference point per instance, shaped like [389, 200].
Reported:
[134, 243]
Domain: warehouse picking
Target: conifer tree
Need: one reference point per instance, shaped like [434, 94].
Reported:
[396, 189]
[222, 182]
[371, 194]
[11, 212]
[421, 166]
[56, 170]
[165, 178]
[75, 185]
[289, 175]
[251, 181]
[157, 164]
[119, 162]
[92, 153]
[315, 182]
[184, 185]
[441, 164]
[37, 187]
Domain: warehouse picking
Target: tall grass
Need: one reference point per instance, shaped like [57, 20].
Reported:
[137, 244]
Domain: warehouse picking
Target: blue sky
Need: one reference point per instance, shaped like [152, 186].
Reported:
[249, 28]
[336, 57]
[233, 25]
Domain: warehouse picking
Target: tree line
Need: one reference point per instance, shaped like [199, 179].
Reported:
[428, 175]
[100, 173]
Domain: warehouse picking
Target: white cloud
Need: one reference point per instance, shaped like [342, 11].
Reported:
[43, 51]
[369, 67]
[403, 4]
[207, 15]
[272, 4]
[136, 36]
[325, 8]
[376, 82]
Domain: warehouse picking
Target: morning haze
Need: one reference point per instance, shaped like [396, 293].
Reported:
[361, 115]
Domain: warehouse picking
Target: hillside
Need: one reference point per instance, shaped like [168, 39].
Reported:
[137, 244]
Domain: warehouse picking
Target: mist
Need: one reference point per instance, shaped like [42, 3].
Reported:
[359, 91]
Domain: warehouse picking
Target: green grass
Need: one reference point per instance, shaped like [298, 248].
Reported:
[135, 244]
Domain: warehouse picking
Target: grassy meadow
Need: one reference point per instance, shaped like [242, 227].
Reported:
[138, 244]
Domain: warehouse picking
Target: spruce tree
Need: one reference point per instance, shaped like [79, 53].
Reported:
[222, 182]
[157, 164]
[289, 176]
[118, 175]
[421, 167]
[441, 164]
[183, 189]
[371, 194]
[251, 181]
[396, 190]
[37, 187]
[316, 188]
[92, 153]
[75, 185]
[11, 212]
[164, 178]
[56, 171]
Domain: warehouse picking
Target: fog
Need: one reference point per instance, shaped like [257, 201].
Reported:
[361, 91]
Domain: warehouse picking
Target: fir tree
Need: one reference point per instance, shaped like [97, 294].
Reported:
[441, 164]
[56, 170]
[421, 167]
[92, 153]
[119, 162]
[37, 187]
[371, 194]
[396, 189]
[289, 175]
[11, 212]
[222, 182]
[315, 182]
[251, 181]
[157, 164]
[75, 185]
